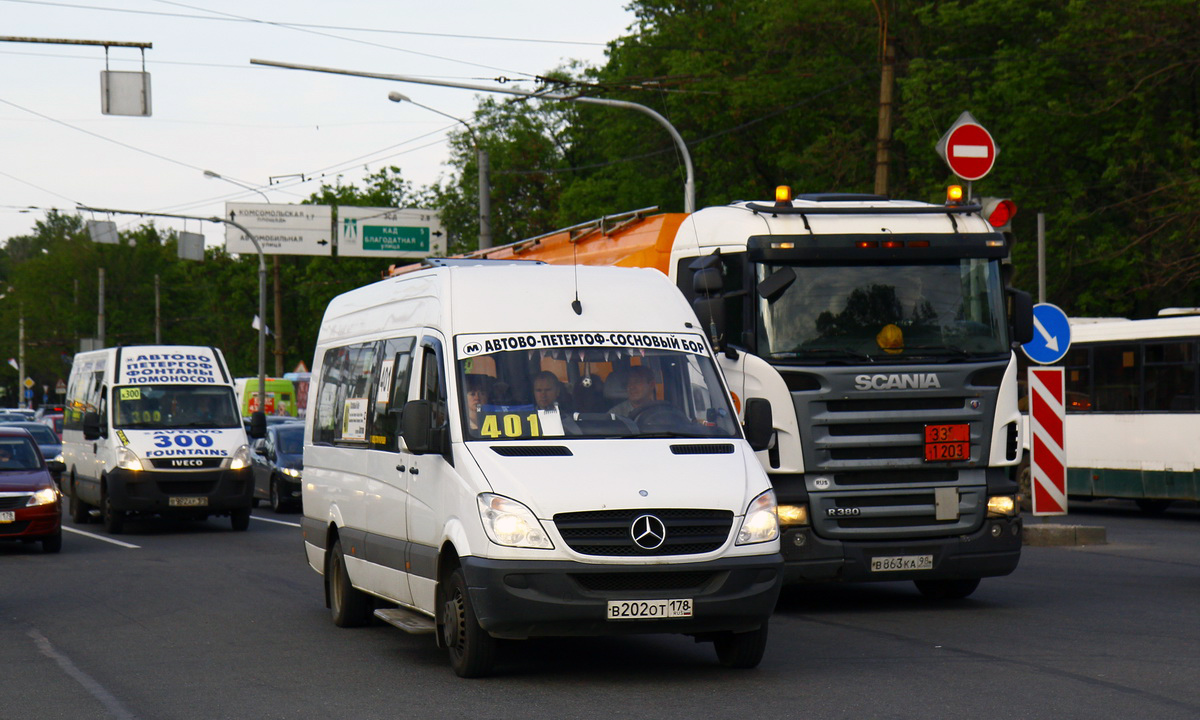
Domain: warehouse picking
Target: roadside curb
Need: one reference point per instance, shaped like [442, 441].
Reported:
[1045, 535]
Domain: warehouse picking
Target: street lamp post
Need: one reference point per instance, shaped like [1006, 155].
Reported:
[262, 286]
[275, 275]
[689, 186]
[481, 158]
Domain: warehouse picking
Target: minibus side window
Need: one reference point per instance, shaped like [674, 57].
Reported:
[433, 385]
[333, 369]
[391, 391]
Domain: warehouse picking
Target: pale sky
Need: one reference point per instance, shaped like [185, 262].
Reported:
[213, 110]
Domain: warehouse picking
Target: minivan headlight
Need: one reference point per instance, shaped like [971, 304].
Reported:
[508, 522]
[240, 459]
[761, 523]
[128, 459]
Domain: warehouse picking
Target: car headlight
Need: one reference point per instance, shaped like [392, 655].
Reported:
[128, 459]
[292, 472]
[240, 459]
[59, 458]
[1002, 506]
[761, 523]
[508, 522]
[45, 496]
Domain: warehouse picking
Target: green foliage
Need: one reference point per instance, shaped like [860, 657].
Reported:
[1095, 107]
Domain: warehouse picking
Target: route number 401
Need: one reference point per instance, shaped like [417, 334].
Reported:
[510, 425]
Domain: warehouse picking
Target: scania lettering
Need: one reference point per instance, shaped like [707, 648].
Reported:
[153, 430]
[863, 320]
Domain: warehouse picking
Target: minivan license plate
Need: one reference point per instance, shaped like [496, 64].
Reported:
[187, 501]
[902, 562]
[648, 609]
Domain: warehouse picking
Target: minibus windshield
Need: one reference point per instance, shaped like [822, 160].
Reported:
[154, 407]
[590, 385]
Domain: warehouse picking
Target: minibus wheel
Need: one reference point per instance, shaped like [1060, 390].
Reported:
[77, 508]
[472, 650]
[742, 650]
[114, 519]
[240, 519]
[351, 607]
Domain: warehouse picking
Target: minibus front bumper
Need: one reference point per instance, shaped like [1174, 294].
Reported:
[521, 599]
[181, 491]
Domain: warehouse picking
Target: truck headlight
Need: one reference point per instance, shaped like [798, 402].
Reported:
[240, 459]
[761, 523]
[45, 496]
[790, 515]
[1002, 506]
[508, 522]
[128, 459]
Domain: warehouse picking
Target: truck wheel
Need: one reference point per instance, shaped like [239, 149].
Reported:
[351, 607]
[742, 650]
[80, 512]
[240, 520]
[1025, 484]
[52, 543]
[472, 650]
[114, 520]
[947, 589]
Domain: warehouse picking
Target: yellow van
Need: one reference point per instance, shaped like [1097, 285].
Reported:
[280, 396]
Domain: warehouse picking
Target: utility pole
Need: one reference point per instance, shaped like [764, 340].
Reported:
[157, 313]
[883, 143]
[100, 314]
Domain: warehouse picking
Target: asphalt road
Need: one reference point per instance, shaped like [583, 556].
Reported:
[198, 621]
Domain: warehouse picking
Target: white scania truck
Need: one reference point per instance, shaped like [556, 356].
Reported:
[882, 333]
[154, 429]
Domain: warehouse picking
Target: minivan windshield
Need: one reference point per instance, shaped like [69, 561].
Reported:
[154, 407]
[530, 386]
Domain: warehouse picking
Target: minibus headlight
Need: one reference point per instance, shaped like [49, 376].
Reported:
[761, 523]
[240, 459]
[45, 496]
[790, 515]
[508, 522]
[128, 459]
[1002, 506]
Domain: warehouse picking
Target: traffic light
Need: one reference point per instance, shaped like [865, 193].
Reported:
[998, 212]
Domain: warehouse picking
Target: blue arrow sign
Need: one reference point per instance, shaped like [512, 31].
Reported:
[1051, 336]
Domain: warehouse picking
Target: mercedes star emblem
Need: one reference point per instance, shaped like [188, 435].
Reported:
[648, 532]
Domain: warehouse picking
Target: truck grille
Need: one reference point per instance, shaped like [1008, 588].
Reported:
[607, 532]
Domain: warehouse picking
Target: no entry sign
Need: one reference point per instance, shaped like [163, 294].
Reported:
[968, 148]
[1048, 457]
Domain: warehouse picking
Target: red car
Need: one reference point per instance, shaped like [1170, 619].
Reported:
[30, 504]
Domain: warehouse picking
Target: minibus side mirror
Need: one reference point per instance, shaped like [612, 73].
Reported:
[759, 424]
[91, 426]
[260, 447]
[258, 425]
[1021, 318]
[56, 467]
[417, 427]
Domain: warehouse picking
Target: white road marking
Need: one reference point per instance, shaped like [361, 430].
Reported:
[277, 522]
[101, 537]
[107, 699]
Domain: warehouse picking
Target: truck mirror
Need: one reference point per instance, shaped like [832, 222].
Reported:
[417, 425]
[1021, 316]
[91, 426]
[258, 424]
[759, 424]
[707, 281]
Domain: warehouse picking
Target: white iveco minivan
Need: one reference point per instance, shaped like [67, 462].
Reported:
[512, 449]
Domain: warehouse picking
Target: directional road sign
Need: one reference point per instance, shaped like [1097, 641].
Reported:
[1051, 337]
[280, 229]
[1048, 457]
[389, 232]
[968, 148]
